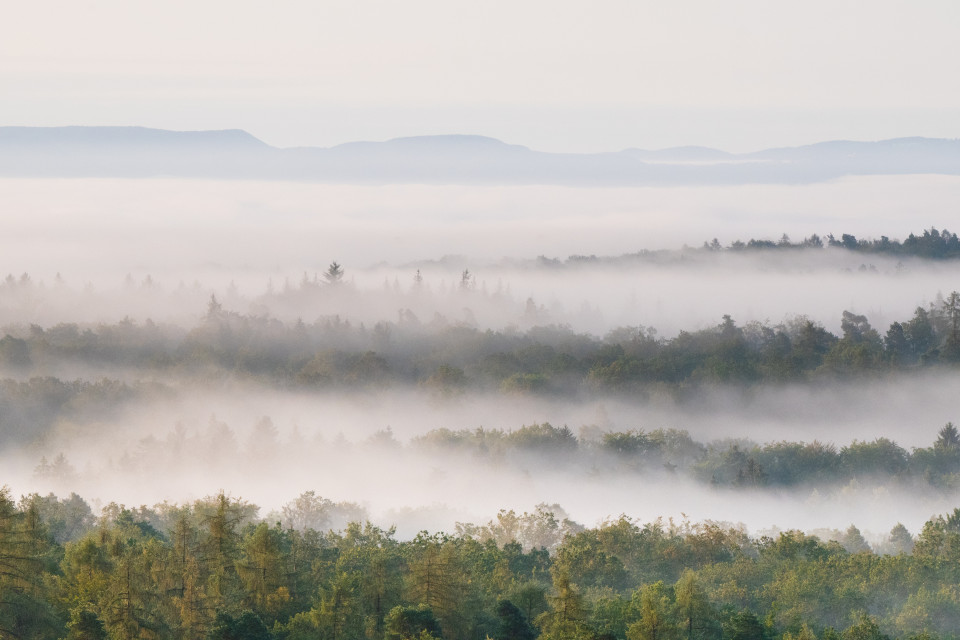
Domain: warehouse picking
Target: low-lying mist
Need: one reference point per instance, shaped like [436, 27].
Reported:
[396, 454]
[667, 291]
[95, 250]
[129, 368]
[98, 230]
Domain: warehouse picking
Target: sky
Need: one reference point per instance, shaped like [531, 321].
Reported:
[556, 76]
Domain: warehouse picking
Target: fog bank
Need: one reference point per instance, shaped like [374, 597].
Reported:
[270, 447]
[100, 229]
[98, 251]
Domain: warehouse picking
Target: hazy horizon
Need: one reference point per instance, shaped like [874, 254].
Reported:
[552, 76]
[302, 142]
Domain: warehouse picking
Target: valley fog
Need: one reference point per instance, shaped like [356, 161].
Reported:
[369, 449]
[99, 230]
[667, 291]
[670, 293]
[571, 264]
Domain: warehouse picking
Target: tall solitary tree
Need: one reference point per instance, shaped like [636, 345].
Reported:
[334, 273]
[950, 350]
[948, 438]
[566, 619]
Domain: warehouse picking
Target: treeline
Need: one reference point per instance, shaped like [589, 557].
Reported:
[450, 357]
[214, 570]
[620, 456]
[29, 408]
[933, 244]
[738, 463]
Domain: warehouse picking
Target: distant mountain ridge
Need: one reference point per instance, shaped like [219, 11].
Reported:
[445, 159]
[126, 136]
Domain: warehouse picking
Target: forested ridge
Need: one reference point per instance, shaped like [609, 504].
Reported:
[213, 569]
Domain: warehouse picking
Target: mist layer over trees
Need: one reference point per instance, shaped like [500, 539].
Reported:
[751, 407]
[653, 440]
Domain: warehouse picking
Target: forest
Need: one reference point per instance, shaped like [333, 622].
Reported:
[449, 356]
[486, 320]
[90, 405]
[932, 244]
[214, 569]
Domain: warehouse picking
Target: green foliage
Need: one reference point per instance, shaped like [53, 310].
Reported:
[744, 625]
[246, 626]
[882, 456]
[696, 616]
[658, 614]
[512, 624]
[446, 381]
[932, 244]
[211, 570]
[864, 628]
[567, 617]
[85, 625]
[446, 358]
[859, 350]
[411, 623]
[25, 558]
[542, 439]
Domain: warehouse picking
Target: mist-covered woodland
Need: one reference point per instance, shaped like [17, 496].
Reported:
[215, 566]
[254, 430]
[479, 321]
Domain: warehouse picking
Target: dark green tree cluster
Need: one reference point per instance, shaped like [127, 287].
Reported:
[28, 408]
[448, 359]
[213, 570]
[632, 456]
[737, 463]
[933, 244]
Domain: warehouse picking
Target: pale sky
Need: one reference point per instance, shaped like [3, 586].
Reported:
[558, 75]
